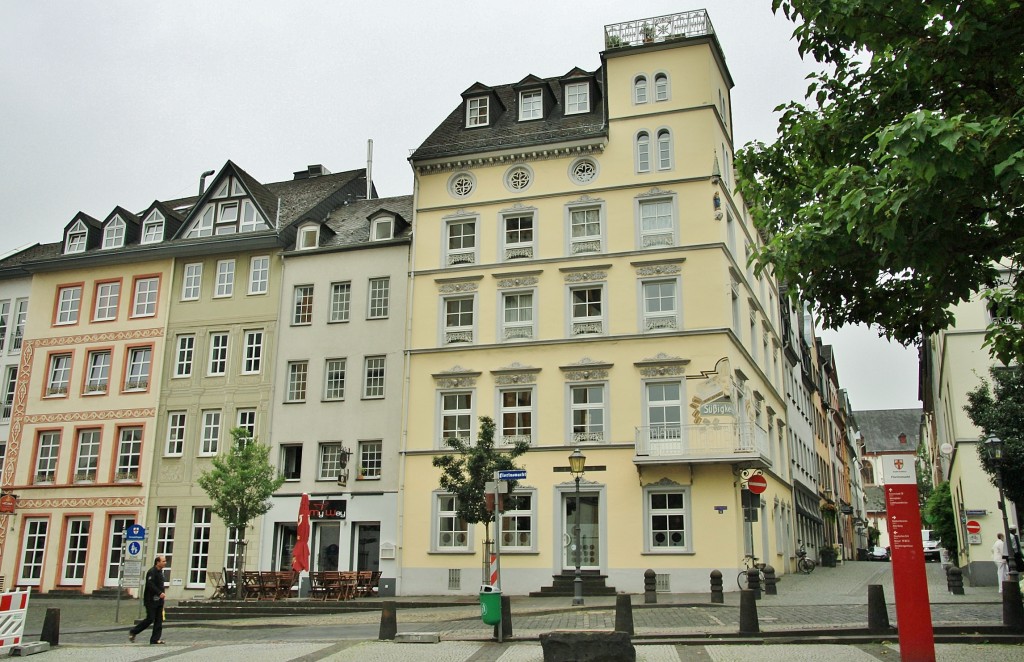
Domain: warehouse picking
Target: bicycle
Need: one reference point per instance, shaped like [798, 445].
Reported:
[749, 563]
[804, 564]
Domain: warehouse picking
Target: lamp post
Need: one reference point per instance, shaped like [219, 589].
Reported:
[577, 465]
[994, 451]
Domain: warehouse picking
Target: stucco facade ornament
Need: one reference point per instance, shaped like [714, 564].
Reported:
[525, 281]
[457, 288]
[515, 157]
[171, 472]
[112, 414]
[515, 373]
[585, 276]
[655, 193]
[459, 213]
[659, 270]
[456, 377]
[663, 365]
[85, 502]
[665, 482]
[585, 369]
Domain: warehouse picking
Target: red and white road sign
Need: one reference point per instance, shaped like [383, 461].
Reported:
[973, 526]
[757, 484]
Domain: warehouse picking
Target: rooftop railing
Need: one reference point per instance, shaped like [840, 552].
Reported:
[657, 29]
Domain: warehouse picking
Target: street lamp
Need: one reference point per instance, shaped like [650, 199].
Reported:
[577, 465]
[994, 451]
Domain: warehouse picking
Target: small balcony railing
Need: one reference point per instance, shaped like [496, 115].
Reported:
[657, 29]
[658, 444]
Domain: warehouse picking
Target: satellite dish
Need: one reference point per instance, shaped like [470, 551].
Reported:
[946, 448]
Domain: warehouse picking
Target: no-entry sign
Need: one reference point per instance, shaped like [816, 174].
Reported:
[973, 526]
[757, 484]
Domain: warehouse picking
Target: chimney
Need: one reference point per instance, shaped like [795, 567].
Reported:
[202, 180]
[312, 171]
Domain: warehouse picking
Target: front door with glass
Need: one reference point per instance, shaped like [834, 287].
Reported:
[589, 535]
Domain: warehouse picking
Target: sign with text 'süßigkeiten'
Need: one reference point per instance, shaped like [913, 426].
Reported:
[913, 611]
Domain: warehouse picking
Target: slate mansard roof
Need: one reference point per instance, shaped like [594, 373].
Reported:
[506, 131]
[881, 429]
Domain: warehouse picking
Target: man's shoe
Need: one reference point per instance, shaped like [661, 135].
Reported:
[153, 643]
[131, 638]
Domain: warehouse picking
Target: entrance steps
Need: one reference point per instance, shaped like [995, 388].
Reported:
[562, 585]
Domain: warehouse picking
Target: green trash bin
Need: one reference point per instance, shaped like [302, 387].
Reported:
[490, 604]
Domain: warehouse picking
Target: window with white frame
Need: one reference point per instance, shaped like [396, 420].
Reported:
[309, 237]
[452, 531]
[129, 452]
[77, 238]
[144, 300]
[517, 315]
[5, 316]
[302, 305]
[69, 299]
[664, 149]
[516, 415]
[33, 551]
[334, 379]
[20, 317]
[47, 449]
[113, 234]
[259, 274]
[225, 286]
[518, 235]
[218, 364]
[735, 306]
[10, 384]
[382, 228]
[476, 111]
[199, 547]
[107, 298]
[341, 300]
[209, 442]
[587, 310]
[588, 408]
[531, 105]
[97, 378]
[643, 152]
[380, 298]
[460, 236]
[291, 461]
[664, 411]
[137, 377]
[370, 459]
[166, 518]
[585, 230]
[657, 223]
[298, 375]
[640, 89]
[661, 89]
[231, 546]
[192, 281]
[184, 355]
[577, 98]
[246, 419]
[330, 460]
[176, 422]
[456, 416]
[517, 522]
[665, 519]
[153, 228]
[458, 319]
[373, 377]
[660, 305]
[252, 361]
[58, 376]
[87, 456]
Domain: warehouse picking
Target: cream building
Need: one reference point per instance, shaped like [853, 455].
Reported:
[580, 276]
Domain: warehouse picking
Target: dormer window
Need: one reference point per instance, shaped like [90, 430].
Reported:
[309, 237]
[476, 112]
[577, 98]
[153, 228]
[232, 215]
[382, 229]
[113, 234]
[531, 105]
[76, 239]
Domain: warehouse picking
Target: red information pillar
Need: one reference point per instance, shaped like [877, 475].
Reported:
[913, 610]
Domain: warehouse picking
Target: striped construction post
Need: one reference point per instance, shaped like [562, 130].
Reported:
[12, 619]
[494, 569]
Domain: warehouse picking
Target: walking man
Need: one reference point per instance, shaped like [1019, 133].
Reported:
[999, 558]
[153, 598]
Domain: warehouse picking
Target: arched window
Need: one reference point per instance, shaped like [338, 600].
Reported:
[867, 474]
[640, 89]
[661, 87]
[643, 152]
[664, 149]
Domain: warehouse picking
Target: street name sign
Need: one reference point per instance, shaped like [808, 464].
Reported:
[512, 474]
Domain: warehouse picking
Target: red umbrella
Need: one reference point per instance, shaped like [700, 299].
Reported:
[300, 553]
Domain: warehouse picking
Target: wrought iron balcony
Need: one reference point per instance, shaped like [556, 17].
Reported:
[657, 29]
[663, 444]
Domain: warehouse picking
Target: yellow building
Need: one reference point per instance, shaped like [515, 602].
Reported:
[580, 275]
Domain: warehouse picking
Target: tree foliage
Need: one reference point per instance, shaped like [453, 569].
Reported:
[897, 185]
[466, 473]
[998, 409]
[241, 481]
[941, 517]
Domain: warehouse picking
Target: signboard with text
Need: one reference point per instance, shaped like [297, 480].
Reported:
[328, 509]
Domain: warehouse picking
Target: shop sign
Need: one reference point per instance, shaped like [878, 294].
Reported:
[327, 509]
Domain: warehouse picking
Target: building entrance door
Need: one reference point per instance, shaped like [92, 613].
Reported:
[590, 530]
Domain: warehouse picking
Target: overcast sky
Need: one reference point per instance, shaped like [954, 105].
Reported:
[123, 102]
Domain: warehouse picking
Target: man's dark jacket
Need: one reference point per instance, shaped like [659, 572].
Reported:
[154, 586]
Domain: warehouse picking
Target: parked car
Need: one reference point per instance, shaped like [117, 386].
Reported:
[931, 545]
[877, 553]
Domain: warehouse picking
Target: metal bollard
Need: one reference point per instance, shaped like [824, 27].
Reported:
[878, 615]
[717, 597]
[650, 584]
[506, 618]
[754, 582]
[51, 627]
[748, 613]
[955, 580]
[770, 581]
[388, 622]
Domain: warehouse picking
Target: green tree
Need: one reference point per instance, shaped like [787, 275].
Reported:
[240, 485]
[923, 467]
[466, 473]
[941, 517]
[998, 409]
[893, 190]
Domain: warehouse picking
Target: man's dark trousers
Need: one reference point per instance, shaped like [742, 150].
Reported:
[154, 617]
